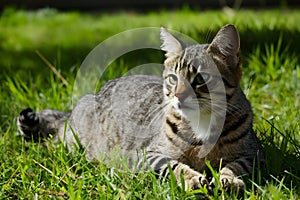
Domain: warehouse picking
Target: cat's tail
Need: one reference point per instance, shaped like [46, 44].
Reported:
[39, 126]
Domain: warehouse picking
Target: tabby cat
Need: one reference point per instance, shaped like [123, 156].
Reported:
[195, 112]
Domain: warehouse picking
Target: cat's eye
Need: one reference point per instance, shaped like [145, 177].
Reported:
[201, 78]
[172, 79]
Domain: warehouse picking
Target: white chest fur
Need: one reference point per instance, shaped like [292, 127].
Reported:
[201, 123]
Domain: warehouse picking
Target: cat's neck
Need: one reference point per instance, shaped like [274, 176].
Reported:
[202, 124]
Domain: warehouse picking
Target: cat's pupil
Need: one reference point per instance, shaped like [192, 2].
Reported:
[173, 79]
[201, 79]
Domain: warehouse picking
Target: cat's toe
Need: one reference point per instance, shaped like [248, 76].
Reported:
[197, 182]
[232, 183]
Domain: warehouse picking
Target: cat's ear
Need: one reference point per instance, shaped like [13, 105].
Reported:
[226, 44]
[170, 44]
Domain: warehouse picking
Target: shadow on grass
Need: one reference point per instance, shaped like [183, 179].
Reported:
[282, 154]
[65, 58]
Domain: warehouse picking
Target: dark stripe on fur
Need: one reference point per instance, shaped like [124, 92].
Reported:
[245, 165]
[228, 84]
[229, 96]
[235, 125]
[234, 138]
[173, 126]
[165, 172]
[152, 159]
[177, 116]
[242, 165]
[160, 163]
[174, 166]
[179, 134]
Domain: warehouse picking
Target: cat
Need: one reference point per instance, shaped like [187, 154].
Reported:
[175, 122]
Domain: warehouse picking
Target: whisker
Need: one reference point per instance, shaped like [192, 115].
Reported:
[159, 113]
[157, 109]
[217, 105]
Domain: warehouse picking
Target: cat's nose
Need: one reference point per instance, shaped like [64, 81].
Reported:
[183, 90]
[181, 96]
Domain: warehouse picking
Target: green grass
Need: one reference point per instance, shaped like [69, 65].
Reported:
[271, 80]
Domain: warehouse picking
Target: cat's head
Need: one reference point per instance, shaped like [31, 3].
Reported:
[203, 71]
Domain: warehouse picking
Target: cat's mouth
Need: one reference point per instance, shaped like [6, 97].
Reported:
[184, 106]
[181, 96]
[187, 102]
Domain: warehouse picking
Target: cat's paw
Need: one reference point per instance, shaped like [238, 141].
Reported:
[192, 179]
[27, 123]
[196, 182]
[232, 183]
[229, 182]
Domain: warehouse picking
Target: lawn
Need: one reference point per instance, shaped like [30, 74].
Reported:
[31, 41]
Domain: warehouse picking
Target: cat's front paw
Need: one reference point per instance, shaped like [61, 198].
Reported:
[232, 183]
[27, 122]
[197, 182]
[229, 182]
[193, 180]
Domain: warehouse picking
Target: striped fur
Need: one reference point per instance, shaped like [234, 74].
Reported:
[177, 121]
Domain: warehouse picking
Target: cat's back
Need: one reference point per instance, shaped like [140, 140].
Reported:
[131, 101]
[121, 114]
